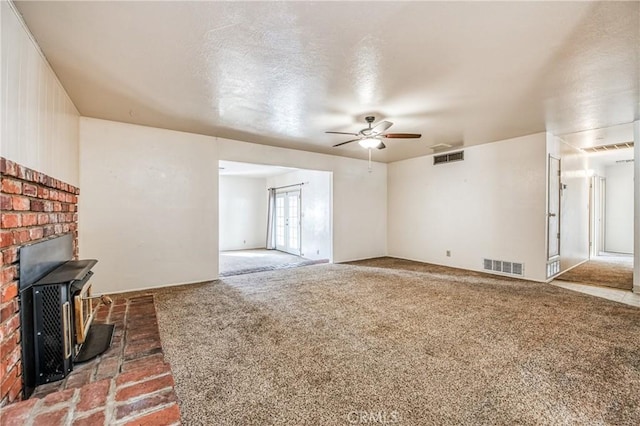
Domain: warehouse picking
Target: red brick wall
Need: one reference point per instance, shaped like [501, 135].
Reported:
[33, 206]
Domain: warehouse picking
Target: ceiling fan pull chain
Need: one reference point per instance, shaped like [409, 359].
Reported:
[369, 160]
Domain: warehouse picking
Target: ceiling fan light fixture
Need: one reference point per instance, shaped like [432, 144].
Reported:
[369, 143]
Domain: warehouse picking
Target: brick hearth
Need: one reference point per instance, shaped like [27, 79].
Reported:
[33, 207]
[130, 384]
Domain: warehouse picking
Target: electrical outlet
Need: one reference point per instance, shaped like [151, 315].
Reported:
[317, 251]
[244, 241]
[448, 253]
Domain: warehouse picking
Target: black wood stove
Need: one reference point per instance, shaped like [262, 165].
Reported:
[56, 310]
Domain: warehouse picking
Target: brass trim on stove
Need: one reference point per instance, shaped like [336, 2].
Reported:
[66, 329]
[84, 313]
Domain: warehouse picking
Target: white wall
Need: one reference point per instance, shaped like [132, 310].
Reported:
[149, 205]
[491, 205]
[359, 197]
[243, 212]
[39, 122]
[574, 202]
[316, 210]
[619, 208]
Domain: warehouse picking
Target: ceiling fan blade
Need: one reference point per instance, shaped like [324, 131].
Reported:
[344, 143]
[402, 135]
[381, 146]
[343, 133]
[381, 127]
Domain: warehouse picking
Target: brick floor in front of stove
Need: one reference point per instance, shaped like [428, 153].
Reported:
[130, 384]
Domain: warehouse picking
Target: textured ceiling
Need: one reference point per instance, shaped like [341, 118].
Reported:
[233, 168]
[601, 136]
[283, 73]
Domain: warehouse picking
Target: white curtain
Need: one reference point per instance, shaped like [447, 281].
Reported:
[271, 220]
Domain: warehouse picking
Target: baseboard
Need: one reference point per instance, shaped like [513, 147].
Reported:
[243, 248]
[483, 271]
[151, 288]
[358, 259]
[604, 253]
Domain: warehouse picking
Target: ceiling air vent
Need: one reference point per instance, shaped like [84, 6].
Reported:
[448, 158]
[612, 147]
[440, 147]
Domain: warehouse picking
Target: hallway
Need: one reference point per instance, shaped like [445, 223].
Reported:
[606, 270]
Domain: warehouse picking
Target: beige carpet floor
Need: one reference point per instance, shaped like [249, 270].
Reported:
[605, 270]
[407, 343]
[239, 262]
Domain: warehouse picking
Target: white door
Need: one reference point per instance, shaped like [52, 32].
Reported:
[602, 211]
[288, 222]
[597, 210]
[553, 215]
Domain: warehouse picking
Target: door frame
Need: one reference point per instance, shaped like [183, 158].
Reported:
[557, 214]
[602, 228]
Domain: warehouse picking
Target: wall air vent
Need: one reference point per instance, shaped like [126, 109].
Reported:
[553, 267]
[624, 161]
[612, 147]
[448, 158]
[504, 267]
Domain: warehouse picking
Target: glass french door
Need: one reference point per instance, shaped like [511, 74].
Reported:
[288, 222]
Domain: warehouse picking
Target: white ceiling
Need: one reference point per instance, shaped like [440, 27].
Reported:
[282, 73]
[233, 168]
[606, 136]
[610, 158]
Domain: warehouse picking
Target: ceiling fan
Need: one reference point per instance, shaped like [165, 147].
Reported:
[371, 137]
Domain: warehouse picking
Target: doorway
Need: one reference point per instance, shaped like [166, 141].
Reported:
[598, 244]
[272, 217]
[288, 221]
[610, 256]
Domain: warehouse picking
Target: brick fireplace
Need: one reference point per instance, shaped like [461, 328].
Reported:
[33, 207]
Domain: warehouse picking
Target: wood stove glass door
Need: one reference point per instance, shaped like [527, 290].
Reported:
[288, 222]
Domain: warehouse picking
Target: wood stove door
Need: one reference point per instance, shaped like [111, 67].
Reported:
[53, 328]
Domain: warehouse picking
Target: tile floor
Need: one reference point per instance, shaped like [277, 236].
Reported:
[240, 262]
[622, 296]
